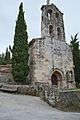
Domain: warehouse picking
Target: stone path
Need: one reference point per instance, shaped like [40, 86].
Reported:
[21, 107]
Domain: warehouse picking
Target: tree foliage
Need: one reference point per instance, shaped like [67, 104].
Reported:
[2, 59]
[20, 68]
[7, 56]
[76, 57]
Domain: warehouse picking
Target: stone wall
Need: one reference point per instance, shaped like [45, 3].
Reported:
[5, 74]
[49, 55]
[69, 100]
[6, 78]
[28, 90]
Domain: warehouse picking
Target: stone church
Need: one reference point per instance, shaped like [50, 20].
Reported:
[51, 60]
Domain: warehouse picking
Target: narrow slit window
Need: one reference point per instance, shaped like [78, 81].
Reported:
[57, 15]
[59, 32]
[42, 17]
[50, 29]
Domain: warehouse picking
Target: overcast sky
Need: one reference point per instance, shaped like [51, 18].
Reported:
[9, 12]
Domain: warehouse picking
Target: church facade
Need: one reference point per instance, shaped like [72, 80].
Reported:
[51, 60]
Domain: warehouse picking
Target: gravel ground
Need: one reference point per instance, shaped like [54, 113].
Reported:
[22, 107]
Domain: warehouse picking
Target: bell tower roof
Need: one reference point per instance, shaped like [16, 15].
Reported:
[50, 6]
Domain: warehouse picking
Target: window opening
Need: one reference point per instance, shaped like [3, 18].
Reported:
[59, 32]
[50, 29]
[42, 18]
[57, 15]
[49, 14]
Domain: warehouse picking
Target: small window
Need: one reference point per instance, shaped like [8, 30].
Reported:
[59, 32]
[9, 80]
[49, 14]
[42, 18]
[57, 15]
[50, 29]
[67, 76]
[71, 74]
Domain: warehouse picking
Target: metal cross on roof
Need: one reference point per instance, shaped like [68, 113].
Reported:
[48, 2]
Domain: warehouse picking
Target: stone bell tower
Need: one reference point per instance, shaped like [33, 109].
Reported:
[51, 59]
[52, 24]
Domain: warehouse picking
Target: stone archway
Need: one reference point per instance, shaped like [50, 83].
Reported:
[56, 78]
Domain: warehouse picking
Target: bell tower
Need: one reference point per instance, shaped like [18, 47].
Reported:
[51, 60]
[52, 24]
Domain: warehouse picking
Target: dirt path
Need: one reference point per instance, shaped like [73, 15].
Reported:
[21, 107]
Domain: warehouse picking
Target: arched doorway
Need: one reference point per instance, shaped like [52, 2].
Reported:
[56, 78]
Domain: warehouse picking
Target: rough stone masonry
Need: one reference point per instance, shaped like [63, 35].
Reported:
[51, 59]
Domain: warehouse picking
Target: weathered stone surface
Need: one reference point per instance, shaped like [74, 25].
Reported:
[69, 100]
[5, 74]
[28, 90]
[8, 88]
[50, 55]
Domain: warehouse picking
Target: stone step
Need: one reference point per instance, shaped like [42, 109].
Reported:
[8, 88]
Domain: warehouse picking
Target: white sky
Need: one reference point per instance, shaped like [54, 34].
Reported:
[9, 11]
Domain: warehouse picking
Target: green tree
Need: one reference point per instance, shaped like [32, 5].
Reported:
[7, 57]
[20, 56]
[76, 57]
[2, 59]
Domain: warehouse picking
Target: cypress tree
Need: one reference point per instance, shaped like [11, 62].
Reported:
[7, 57]
[20, 68]
[76, 57]
[2, 59]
